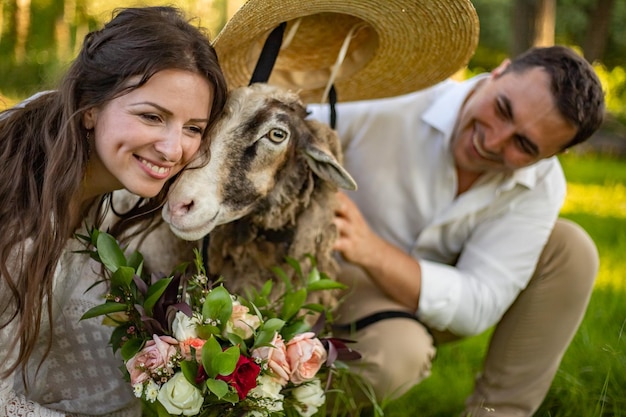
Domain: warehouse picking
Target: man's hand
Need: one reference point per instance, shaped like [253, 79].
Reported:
[395, 272]
[356, 241]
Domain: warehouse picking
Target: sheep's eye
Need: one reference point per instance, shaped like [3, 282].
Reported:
[277, 135]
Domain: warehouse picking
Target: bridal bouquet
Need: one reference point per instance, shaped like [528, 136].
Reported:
[192, 348]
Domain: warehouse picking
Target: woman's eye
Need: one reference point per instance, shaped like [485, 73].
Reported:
[277, 135]
[195, 130]
[151, 117]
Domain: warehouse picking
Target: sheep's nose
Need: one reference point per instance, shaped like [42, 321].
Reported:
[182, 208]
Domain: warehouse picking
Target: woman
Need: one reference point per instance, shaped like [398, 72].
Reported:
[133, 109]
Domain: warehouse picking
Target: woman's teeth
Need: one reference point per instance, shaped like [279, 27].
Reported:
[155, 168]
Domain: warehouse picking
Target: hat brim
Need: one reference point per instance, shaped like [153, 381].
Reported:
[403, 45]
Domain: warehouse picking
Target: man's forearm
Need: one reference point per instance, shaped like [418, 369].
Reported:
[397, 274]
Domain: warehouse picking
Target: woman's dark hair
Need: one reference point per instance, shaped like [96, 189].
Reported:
[575, 86]
[44, 151]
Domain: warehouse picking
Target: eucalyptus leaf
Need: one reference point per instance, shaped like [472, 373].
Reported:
[206, 330]
[122, 277]
[314, 276]
[265, 334]
[295, 265]
[263, 338]
[106, 308]
[135, 260]
[273, 325]
[217, 387]
[210, 349]
[231, 396]
[235, 339]
[292, 303]
[225, 362]
[218, 306]
[190, 370]
[130, 348]
[282, 275]
[325, 284]
[110, 253]
[292, 329]
[266, 289]
[119, 336]
[155, 291]
[318, 308]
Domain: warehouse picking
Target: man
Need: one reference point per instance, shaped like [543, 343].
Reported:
[454, 227]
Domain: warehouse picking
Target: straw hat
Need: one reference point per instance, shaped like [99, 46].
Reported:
[391, 47]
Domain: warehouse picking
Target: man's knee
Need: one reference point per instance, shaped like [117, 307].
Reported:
[571, 255]
[397, 354]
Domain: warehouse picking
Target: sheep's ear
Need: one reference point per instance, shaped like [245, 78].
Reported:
[324, 164]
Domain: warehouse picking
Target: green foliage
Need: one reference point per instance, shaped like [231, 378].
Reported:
[56, 32]
[594, 170]
[614, 83]
[495, 34]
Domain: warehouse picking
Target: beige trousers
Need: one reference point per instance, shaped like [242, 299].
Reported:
[526, 347]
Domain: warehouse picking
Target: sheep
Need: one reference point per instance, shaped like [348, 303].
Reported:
[268, 190]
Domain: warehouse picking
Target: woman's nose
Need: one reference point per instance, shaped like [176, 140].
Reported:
[170, 146]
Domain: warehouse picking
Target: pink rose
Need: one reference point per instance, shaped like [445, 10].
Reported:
[276, 357]
[192, 342]
[241, 322]
[156, 355]
[305, 354]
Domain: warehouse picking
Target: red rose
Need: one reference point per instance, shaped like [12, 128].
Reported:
[243, 377]
[201, 375]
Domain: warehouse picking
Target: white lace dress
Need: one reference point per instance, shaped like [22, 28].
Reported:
[80, 376]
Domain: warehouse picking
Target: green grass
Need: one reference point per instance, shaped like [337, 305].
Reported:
[591, 381]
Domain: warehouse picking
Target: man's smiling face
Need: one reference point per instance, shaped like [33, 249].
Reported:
[508, 122]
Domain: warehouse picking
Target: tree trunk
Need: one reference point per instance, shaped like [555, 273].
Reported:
[1, 20]
[545, 20]
[62, 30]
[522, 20]
[533, 23]
[22, 24]
[597, 33]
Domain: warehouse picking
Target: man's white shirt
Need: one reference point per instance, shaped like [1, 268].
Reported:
[477, 251]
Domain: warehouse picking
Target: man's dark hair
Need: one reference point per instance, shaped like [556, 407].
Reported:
[575, 86]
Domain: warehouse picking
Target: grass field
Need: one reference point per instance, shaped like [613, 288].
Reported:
[591, 381]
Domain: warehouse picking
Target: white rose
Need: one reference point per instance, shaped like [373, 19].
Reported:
[310, 397]
[184, 327]
[267, 393]
[178, 396]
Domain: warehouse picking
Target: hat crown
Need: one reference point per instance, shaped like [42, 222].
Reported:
[394, 46]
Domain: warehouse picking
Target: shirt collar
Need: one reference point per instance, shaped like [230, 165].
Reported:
[442, 113]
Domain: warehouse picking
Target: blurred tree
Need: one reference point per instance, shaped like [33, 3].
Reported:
[597, 27]
[545, 22]
[8, 30]
[495, 34]
[533, 23]
[597, 33]
[39, 37]
[22, 24]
